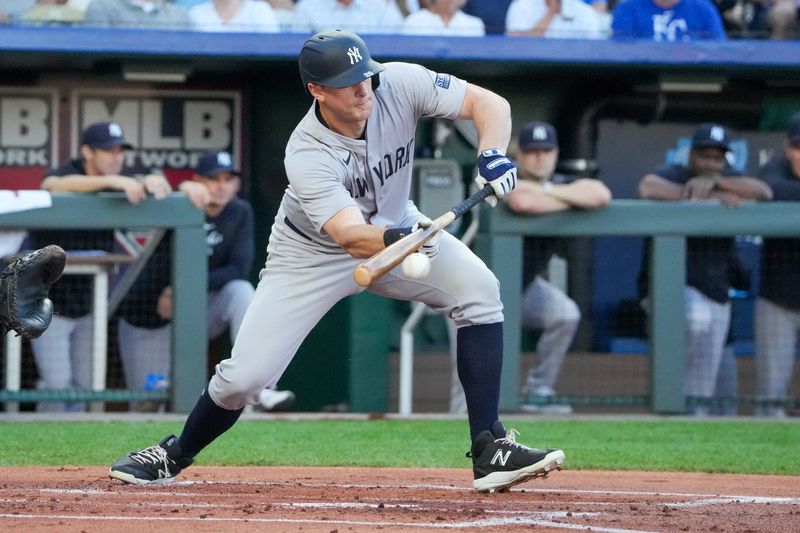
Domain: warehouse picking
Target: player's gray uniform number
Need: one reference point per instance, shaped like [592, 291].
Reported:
[306, 272]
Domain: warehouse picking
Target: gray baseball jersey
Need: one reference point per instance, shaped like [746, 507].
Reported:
[307, 272]
[328, 172]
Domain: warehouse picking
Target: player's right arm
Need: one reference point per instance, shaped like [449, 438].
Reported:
[654, 187]
[133, 189]
[745, 187]
[359, 239]
[534, 199]
[491, 114]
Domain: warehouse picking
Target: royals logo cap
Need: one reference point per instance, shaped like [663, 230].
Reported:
[538, 136]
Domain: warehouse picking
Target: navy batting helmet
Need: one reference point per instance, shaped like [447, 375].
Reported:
[337, 58]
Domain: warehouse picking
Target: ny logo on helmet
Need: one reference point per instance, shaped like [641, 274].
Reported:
[354, 54]
[114, 130]
[717, 133]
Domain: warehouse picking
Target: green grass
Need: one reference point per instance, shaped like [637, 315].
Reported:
[658, 445]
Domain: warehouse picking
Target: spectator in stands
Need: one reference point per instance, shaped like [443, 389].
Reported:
[361, 16]
[545, 306]
[443, 17]
[600, 6]
[564, 19]
[153, 14]
[603, 15]
[666, 20]
[234, 16]
[284, 12]
[53, 11]
[777, 310]
[63, 353]
[491, 12]
[774, 18]
[146, 312]
[712, 266]
[407, 7]
[189, 4]
[10, 10]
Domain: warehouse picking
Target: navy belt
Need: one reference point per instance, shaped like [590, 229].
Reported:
[295, 228]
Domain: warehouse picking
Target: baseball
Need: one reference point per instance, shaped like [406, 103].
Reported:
[416, 265]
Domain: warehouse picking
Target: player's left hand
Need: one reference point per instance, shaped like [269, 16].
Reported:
[498, 171]
[430, 248]
[700, 187]
[157, 185]
[728, 199]
[197, 193]
[164, 303]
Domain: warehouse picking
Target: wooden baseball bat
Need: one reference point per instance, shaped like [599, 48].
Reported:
[391, 256]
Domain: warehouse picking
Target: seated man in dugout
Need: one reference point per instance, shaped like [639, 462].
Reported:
[712, 266]
[63, 353]
[545, 306]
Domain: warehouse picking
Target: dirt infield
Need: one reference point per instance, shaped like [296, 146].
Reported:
[392, 499]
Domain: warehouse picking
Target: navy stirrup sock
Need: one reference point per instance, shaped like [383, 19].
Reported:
[206, 422]
[479, 351]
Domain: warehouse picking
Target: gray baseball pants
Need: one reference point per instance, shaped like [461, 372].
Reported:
[776, 330]
[148, 351]
[707, 323]
[63, 356]
[299, 284]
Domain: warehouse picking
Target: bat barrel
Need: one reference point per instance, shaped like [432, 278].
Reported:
[362, 275]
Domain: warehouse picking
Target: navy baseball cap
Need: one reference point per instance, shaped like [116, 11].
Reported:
[538, 136]
[105, 136]
[793, 133]
[215, 162]
[711, 136]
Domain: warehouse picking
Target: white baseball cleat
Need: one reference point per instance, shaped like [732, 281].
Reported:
[274, 400]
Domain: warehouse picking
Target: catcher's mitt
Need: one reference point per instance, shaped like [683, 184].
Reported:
[24, 288]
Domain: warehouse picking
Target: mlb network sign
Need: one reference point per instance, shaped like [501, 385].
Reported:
[169, 130]
[27, 137]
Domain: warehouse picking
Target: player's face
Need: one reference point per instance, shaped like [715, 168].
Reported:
[223, 187]
[100, 162]
[792, 152]
[445, 6]
[707, 161]
[346, 110]
[537, 165]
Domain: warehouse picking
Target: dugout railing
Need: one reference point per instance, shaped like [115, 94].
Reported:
[189, 275]
[500, 244]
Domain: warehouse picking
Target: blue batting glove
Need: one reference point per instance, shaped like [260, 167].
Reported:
[498, 171]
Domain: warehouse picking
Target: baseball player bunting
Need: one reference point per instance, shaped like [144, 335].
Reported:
[349, 163]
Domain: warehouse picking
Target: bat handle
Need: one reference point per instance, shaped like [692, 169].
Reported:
[473, 200]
